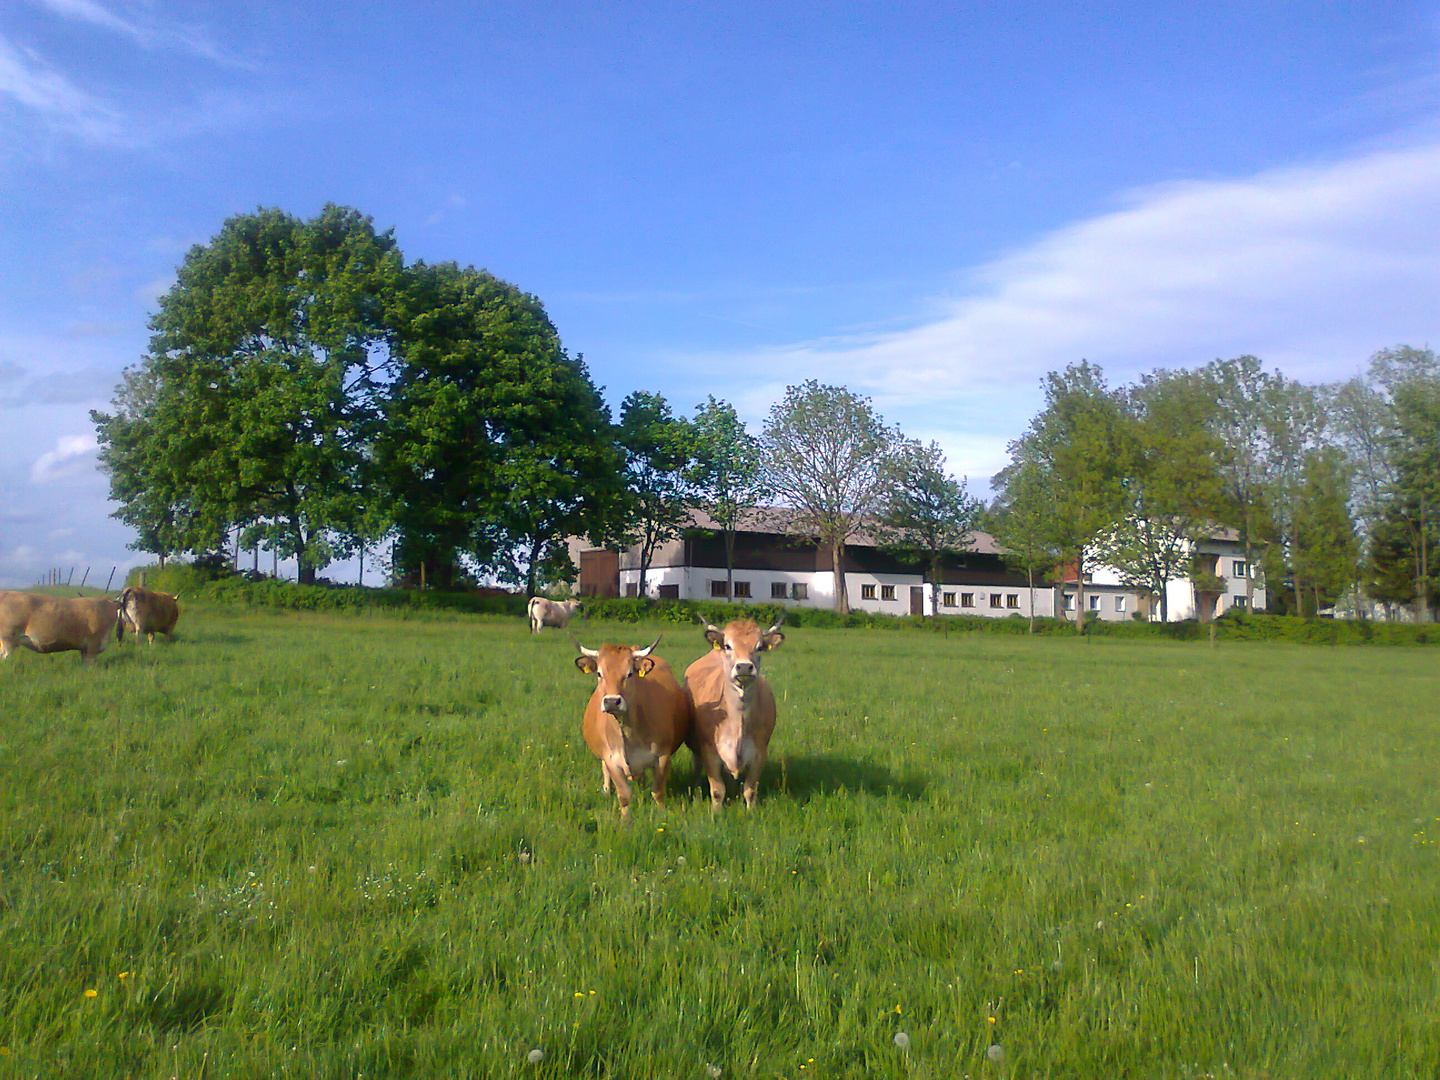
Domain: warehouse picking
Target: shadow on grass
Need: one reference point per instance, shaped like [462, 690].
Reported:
[800, 777]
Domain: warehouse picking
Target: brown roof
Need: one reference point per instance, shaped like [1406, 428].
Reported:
[787, 522]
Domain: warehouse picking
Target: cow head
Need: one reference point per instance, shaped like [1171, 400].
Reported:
[614, 666]
[742, 642]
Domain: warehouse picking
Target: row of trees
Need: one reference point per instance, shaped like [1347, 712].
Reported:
[1331, 488]
[307, 390]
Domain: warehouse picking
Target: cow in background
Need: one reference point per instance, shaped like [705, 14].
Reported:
[554, 613]
[635, 720]
[734, 707]
[148, 612]
[50, 624]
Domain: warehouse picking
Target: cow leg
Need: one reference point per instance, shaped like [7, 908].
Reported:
[752, 777]
[660, 779]
[622, 794]
[6, 647]
[714, 770]
[604, 778]
[150, 637]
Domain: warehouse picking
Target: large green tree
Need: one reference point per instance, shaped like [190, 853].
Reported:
[1170, 487]
[261, 367]
[1022, 521]
[1075, 450]
[827, 454]
[656, 451]
[726, 477]
[1326, 544]
[495, 445]
[927, 513]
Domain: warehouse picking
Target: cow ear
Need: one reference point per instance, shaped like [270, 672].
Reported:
[714, 637]
[586, 664]
[645, 666]
[774, 640]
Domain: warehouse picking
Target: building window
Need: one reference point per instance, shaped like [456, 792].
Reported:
[1068, 603]
[718, 590]
[1239, 602]
[1012, 600]
[669, 592]
[1120, 603]
[1094, 602]
[967, 599]
[887, 592]
[867, 592]
[948, 599]
[996, 599]
[777, 590]
[799, 591]
[742, 590]
[1242, 568]
[632, 588]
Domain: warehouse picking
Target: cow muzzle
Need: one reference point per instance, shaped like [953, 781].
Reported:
[743, 672]
[613, 704]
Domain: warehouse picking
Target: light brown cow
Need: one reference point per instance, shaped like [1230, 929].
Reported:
[48, 624]
[734, 707]
[635, 720]
[148, 612]
[554, 613]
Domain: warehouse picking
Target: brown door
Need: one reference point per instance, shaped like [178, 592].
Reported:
[917, 600]
[600, 573]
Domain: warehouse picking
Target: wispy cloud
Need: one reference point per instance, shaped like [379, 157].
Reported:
[142, 28]
[29, 81]
[1311, 268]
[73, 455]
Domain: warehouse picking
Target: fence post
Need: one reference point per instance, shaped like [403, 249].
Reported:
[110, 578]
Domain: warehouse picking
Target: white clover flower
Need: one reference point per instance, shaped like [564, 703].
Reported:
[902, 1041]
[995, 1053]
[534, 1057]
[713, 1071]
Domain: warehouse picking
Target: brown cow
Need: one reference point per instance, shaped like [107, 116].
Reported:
[554, 613]
[636, 719]
[148, 612]
[48, 624]
[734, 707]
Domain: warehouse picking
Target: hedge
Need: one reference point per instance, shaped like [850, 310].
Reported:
[224, 587]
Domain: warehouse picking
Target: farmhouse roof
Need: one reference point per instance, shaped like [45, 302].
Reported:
[785, 521]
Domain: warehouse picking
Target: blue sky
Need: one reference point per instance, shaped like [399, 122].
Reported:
[931, 204]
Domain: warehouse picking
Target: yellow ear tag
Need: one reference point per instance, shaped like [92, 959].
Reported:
[641, 673]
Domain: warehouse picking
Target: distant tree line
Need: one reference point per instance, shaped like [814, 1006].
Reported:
[307, 390]
[1331, 488]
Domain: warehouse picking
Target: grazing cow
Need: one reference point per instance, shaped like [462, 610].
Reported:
[734, 707]
[48, 624]
[148, 612]
[636, 719]
[554, 613]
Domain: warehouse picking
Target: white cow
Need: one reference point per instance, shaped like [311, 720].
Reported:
[554, 613]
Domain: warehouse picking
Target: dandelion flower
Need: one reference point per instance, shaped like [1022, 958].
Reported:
[124, 974]
[534, 1057]
[91, 993]
[902, 1041]
[995, 1053]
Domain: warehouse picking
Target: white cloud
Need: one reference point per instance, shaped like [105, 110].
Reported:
[1311, 269]
[145, 31]
[26, 79]
[74, 455]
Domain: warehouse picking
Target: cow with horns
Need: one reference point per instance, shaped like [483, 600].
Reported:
[636, 719]
[734, 707]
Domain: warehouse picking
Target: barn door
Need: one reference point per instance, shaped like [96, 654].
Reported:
[917, 600]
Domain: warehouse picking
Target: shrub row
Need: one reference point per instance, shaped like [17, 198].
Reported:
[237, 589]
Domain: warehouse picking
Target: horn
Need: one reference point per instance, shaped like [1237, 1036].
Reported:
[778, 623]
[646, 651]
[711, 626]
[592, 653]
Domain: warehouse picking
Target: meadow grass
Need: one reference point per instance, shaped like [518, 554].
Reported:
[299, 845]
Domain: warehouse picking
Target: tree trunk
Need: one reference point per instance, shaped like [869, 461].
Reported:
[730, 563]
[360, 579]
[162, 560]
[1422, 579]
[837, 555]
[1249, 566]
[1080, 594]
[1030, 580]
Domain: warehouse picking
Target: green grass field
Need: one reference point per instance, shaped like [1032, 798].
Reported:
[327, 847]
